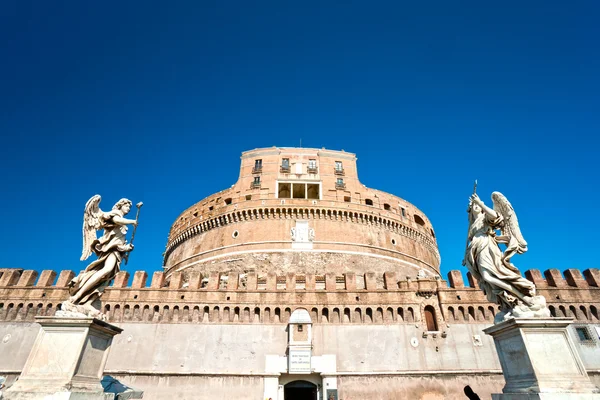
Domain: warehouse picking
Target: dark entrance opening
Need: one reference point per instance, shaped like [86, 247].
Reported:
[300, 390]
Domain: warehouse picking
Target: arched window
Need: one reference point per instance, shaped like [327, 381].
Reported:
[369, 202]
[430, 318]
[387, 207]
[419, 220]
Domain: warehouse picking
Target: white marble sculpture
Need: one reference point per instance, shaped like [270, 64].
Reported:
[111, 248]
[500, 280]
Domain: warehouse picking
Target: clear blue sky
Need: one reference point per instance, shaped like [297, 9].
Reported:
[155, 101]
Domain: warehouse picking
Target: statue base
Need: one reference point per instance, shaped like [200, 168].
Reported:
[66, 361]
[539, 361]
[70, 310]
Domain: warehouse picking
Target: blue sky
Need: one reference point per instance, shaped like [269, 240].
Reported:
[155, 101]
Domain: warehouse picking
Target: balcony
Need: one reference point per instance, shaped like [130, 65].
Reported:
[313, 170]
[339, 171]
[340, 185]
[285, 169]
[257, 169]
[255, 185]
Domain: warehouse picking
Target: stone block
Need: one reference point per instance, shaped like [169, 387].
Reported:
[311, 282]
[456, 280]
[176, 280]
[158, 280]
[10, 278]
[121, 279]
[535, 276]
[66, 361]
[370, 282]
[554, 278]
[271, 281]
[252, 282]
[194, 281]
[139, 280]
[350, 281]
[233, 281]
[214, 280]
[390, 280]
[64, 278]
[330, 282]
[472, 281]
[538, 356]
[290, 282]
[27, 278]
[592, 276]
[47, 278]
[574, 278]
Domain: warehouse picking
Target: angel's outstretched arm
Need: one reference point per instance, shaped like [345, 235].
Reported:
[124, 221]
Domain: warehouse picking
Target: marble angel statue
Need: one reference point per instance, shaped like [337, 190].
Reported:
[499, 279]
[111, 248]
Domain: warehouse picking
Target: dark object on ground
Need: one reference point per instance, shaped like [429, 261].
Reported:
[123, 392]
[471, 394]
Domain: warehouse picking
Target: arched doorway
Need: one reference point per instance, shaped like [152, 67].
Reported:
[300, 390]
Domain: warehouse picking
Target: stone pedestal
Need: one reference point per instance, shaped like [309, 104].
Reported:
[539, 361]
[66, 361]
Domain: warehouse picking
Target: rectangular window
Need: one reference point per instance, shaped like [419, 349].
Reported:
[285, 163]
[312, 164]
[340, 182]
[257, 167]
[338, 166]
[285, 190]
[312, 191]
[300, 328]
[584, 334]
[299, 190]
[257, 180]
[403, 211]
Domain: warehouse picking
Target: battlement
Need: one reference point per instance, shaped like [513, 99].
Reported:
[233, 281]
[330, 298]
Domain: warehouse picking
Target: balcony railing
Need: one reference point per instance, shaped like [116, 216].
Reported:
[339, 171]
[340, 185]
[255, 185]
[257, 169]
[313, 170]
[285, 169]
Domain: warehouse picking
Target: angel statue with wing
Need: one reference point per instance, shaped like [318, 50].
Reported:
[110, 249]
[499, 279]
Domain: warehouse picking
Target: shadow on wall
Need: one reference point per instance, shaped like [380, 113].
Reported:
[471, 395]
[122, 391]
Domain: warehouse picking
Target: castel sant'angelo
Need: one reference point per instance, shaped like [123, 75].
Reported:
[299, 282]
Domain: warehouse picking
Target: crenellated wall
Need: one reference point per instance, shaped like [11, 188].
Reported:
[250, 298]
[210, 336]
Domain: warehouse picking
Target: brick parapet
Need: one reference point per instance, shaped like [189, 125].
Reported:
[576, 295]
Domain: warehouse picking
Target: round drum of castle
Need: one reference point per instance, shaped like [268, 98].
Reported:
[299, 210]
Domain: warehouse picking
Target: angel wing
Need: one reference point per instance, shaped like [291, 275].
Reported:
[510, 228]
[91, 223]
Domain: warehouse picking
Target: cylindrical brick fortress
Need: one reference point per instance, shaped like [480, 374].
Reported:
[299, 210]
